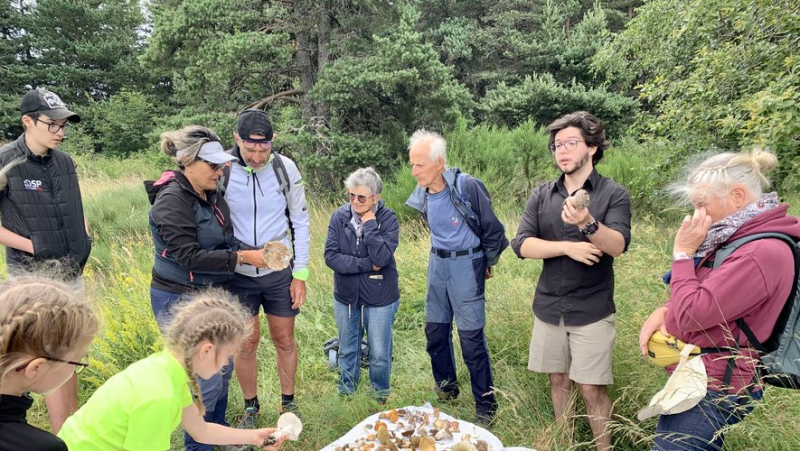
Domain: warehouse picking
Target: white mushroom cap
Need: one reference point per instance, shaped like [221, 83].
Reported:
[290, 426]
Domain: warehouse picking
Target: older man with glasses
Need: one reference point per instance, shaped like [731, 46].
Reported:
[42, 211]
[267, 197]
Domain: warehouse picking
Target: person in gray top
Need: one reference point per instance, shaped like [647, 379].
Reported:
[573, 335]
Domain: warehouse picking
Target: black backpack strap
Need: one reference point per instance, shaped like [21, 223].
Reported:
[728, 248]
[222, 184]
[719, 257]
[284, 185]
[281, 174]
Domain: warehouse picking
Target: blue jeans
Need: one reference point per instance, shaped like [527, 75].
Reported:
[699, 427]
[214, 390]
[377, 322]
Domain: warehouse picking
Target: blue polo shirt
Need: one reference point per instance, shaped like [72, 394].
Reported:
[449, 231]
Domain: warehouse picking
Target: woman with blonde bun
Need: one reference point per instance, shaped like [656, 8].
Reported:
[46, 329]
[706, 304]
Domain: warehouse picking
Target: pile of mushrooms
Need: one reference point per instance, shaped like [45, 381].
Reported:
[413, 431]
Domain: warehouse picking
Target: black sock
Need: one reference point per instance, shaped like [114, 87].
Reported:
[252, 402]
[287, 399]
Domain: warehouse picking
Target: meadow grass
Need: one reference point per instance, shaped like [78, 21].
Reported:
[118, 278]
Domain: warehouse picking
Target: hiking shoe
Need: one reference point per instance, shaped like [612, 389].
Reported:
[249, 420]
[290, 406]
[448, 395]
[485, 419]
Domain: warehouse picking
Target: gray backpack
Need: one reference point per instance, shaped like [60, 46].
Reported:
[780, 353]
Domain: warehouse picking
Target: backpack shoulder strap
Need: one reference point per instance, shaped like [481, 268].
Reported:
[222, 185]
[281, 174]
[727, 249]
[463, 202]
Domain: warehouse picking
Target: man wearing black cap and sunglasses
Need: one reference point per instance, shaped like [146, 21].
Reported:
[41, 209]
[266, 194]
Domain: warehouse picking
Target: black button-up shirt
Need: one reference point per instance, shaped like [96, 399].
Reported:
[582, 294]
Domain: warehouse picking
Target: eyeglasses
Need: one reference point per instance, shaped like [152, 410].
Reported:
[214, 166]
[253, 143]
[79, 366]
[52, 127]
[361, 198]
[569, 144]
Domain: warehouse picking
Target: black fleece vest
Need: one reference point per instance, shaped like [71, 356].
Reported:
[42, 202]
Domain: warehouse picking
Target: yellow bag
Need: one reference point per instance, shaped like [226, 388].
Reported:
[664, 351]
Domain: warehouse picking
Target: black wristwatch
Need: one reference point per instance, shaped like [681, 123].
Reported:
[591, 228]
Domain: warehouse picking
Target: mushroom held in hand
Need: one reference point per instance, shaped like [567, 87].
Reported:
[581, 199]
[289, 426]
[276, 255]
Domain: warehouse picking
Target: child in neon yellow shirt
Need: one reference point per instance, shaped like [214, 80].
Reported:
[139, 408]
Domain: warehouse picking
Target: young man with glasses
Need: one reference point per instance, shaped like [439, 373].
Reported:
[42, 211]
[267, 198]
[573, 334]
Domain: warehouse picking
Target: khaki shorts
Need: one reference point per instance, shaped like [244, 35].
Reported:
[584, 352]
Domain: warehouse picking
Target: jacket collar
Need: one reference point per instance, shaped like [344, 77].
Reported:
[418, 197]
[178, 177]
[41, 159]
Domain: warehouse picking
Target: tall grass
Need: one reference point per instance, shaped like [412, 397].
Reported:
[118, 279]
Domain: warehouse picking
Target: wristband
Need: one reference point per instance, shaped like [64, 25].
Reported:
[300, 274]
[681, 256]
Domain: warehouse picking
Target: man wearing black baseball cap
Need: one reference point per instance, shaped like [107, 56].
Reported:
[267, 197]
[41, 211]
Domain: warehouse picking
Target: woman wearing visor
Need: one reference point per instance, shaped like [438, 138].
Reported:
[193, 237]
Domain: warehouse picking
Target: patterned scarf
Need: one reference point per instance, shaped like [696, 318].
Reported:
[723, 229]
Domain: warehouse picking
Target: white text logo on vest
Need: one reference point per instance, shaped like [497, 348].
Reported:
[35, 185]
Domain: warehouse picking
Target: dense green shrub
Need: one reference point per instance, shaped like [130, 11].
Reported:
[715, 74]
[543, 99]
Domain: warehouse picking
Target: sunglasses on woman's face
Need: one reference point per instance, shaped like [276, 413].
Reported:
[361, 198]
[214, 166]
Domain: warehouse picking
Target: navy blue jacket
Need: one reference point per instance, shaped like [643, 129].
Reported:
[351, 259]
[475, 205]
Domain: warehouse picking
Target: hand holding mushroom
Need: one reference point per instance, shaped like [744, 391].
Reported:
[289, 428]
[575, 209]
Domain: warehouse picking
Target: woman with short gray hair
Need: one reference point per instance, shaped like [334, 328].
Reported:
[362, 237]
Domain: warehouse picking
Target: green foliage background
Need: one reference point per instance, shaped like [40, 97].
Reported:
[347, 82]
